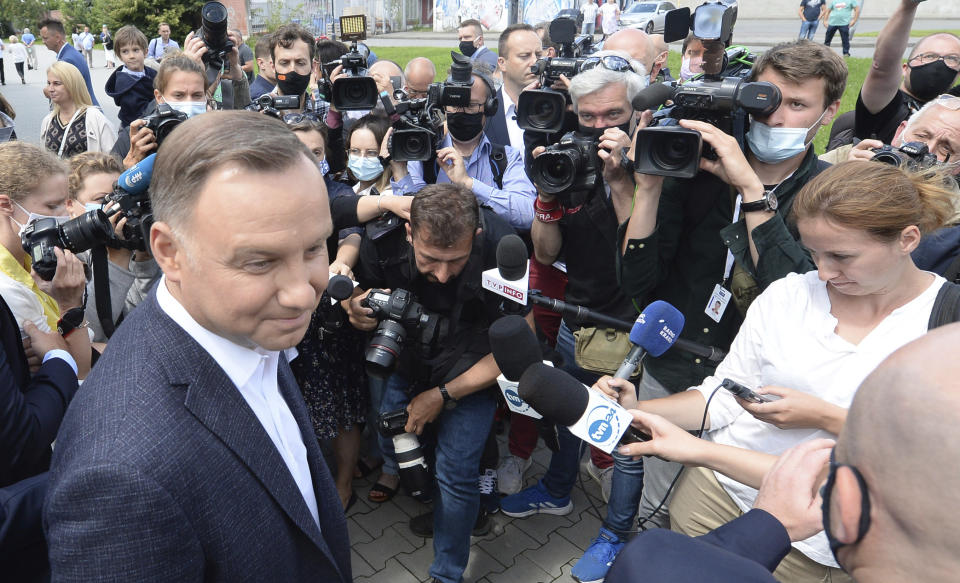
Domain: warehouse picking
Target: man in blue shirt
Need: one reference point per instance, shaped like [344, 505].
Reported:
[467, 158]
[163, 43]
[54, 38]
[27, 38]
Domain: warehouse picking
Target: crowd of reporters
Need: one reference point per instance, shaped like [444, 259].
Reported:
[625, 186]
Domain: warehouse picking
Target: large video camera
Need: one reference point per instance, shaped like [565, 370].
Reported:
[418, 123]
[213, 33]
[399, 313]
[542, 110]
[163, 121]
[913, 155]
[94, 228]
[726, 102]
[354, 91]
[414, 472]
[567, 167]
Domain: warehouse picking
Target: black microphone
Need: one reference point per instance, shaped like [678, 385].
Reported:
[653, 96]
[512, 258]
[515, 346]
[340, 287]
[556, 395]
[509, 278]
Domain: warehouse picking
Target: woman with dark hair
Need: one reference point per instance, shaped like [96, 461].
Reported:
[363, 151]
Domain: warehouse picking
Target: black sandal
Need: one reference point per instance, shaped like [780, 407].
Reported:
[363, 470]
[381, 493]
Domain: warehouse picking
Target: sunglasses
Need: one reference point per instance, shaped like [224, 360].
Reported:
[610, 63]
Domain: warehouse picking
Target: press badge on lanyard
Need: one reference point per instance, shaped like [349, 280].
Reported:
[721, 296]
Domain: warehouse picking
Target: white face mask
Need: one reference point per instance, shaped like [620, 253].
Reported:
[93, 206]
[772, 145]
[191, 108]
[31, 217]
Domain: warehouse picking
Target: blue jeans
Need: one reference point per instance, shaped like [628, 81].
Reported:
[844, 37]
[377, 386]
[808, 29]
[461, 434]
[626, 488]
[588, 27]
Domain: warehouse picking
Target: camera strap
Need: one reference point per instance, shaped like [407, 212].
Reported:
[498, 163]
[101, 285]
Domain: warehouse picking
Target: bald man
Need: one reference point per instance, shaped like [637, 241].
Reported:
[419, 74]
[638, 45]
[387, 74]
[887, 497]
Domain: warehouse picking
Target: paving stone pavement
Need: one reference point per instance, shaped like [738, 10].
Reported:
[536, 549]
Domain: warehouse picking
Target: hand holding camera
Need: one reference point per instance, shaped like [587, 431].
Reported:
[423, 409]
[142, 143]
[730, 163]
[194, 48]
[610, 149]
[68, 281]
[361, 317]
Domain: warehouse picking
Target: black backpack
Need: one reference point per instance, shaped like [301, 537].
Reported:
[946, 308]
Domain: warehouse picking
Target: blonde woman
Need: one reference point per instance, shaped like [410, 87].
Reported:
[74, 125]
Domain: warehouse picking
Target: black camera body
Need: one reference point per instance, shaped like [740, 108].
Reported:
[543, 110]
[569, 166]
[136, 208]
[213, 33]
[912, 155]
[666, 149]
[412, 465]
[399, 314]
[163, 121]
[353, 91]
[77, 235]
[274, 105]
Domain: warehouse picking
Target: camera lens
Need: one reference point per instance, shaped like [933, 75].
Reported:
[86, 231]
[541, 110]
[556, 171]
[411, 144]
[673, 153]
[888, 157]
[213, 18]
[355, 93]
[382, 352]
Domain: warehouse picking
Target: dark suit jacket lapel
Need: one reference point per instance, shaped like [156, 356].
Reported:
[496, 129]
[214, 400]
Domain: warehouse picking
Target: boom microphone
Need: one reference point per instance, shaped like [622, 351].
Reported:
[589, 415]
[656, 329]
[653, 96]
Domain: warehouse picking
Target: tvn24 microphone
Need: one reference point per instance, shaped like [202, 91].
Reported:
[656, 329]
[587, 414]
[509, 277]
[515, 348]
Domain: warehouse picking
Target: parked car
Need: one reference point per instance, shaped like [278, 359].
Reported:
[647, 16]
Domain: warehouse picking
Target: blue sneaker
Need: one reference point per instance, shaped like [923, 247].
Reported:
[535, 500]
[594, 564]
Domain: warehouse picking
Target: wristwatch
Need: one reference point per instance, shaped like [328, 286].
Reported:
[448, 401]
[70, 321]
[767, 203]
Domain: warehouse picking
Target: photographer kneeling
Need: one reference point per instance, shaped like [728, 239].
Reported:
[444, 367]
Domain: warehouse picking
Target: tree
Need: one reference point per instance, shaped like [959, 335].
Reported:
[183, 16]
[17, 14]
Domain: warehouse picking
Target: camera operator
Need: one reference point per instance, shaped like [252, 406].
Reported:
[448, 242]
[266, 79]
[671, 244]
[131, 274]
[418, 74]
[468, 158]
[519, 49]
[691, 61]
[892, 91]
[582, 225]
[292, 49]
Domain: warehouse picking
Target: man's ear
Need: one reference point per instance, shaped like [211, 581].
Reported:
[409, 233]
[897, 136]
[168, 250]
[6, 205]
[831, 112]
[846, 506]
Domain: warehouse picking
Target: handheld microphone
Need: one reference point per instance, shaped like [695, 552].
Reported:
[656, 329]
[340, 287]
[653, 96]
[515, 348]
[587, 414]
[509, 278]
[137, 178]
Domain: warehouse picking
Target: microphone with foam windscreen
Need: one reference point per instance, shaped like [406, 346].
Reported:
[340, 287]
[653, 96]
[587, 414]
[515, 348]
[657, 328]
[509, 278]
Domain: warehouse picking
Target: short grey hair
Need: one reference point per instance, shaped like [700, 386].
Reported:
[203, 144]
[918, 114]
[597, 78]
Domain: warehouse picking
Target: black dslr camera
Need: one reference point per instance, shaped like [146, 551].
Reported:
[213, 33]
[567, 167]
[163, 121]
[399, 313]
[418, 123]
[273, 105]
[414, 472]
[913, 155]
[720, 98]
[542, 110]
[354, 91]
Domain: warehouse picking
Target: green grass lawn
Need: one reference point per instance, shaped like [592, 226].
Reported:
[913, 33]
[441, 58]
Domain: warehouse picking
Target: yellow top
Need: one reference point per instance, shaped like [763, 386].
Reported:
[21, 274]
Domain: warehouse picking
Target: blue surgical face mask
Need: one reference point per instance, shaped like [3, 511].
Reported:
[31, 217]
[93, 206]
[365, 168]
[191, 108]
[772, 145]
[324, 166]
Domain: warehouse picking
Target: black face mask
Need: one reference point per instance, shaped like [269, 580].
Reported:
[464, 126]
[292, 83]
[597, 132]
[467, 48]
[930, 80]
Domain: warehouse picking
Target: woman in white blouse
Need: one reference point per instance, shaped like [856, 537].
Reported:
[75, 125]
[808, 342]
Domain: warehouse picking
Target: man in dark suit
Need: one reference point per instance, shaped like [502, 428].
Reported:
[519, 49]
[189, 455]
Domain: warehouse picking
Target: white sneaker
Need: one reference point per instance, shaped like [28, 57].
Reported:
[510, 474]
[604, 478]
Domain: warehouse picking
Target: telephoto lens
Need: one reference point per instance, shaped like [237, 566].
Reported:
[213, 26]
[414, 472]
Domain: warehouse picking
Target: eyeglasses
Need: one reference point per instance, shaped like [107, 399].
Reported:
[471, 108]
[952, 61]
[610, 63]
[295, 118]
[949, 101]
